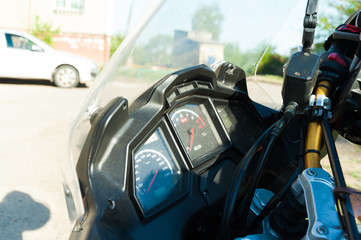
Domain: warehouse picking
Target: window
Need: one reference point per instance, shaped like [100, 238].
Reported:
[69, 5]
[16, 41]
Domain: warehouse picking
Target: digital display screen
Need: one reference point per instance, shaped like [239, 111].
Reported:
[239, 123]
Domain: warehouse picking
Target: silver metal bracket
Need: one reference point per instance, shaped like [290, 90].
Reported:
[323, 222]
[313, 189]
[321, 103]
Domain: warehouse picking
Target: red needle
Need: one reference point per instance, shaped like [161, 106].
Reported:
[151, 182]
[191, 141]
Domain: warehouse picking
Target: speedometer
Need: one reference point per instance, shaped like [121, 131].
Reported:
[157, 175]
[153, 173]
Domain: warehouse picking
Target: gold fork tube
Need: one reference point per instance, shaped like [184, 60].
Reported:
[314, 133]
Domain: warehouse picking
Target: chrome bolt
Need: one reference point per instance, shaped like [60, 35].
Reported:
[311, 172]
[67, 192]
[322, 230]
[326, 102]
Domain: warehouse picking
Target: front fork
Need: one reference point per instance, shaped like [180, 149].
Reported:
[314, 132]
[316, 129]
[313, 187]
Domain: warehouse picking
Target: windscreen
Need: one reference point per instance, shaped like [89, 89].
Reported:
[172, 35]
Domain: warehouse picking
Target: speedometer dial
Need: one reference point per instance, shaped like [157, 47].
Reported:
[157, 175]
[152, 169]
[195, 129]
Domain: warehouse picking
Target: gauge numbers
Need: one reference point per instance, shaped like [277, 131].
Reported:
[193, 124]
[195, 129]
[157, 176]
[151, 170]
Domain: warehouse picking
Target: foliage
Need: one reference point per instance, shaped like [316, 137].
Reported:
[156, 52]
[233, 54]
[343, 9]
[44, 31]
[115, 42]
[208, 19]
[272, 63]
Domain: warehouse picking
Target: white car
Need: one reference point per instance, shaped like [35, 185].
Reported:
[26, 57]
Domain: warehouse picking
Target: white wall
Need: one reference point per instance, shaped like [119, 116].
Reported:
[14, 14]
[96, 18]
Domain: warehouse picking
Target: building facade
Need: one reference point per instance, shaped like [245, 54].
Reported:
[85, 26]
[195, 47]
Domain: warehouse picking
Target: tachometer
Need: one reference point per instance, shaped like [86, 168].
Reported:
[190, 126]
[195, 129]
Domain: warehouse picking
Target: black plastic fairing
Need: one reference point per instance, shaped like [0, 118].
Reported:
[106, 164]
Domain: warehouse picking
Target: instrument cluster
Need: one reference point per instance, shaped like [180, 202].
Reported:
[189, 135]
[167, 158]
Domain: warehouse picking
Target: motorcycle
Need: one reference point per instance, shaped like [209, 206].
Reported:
[170, 143]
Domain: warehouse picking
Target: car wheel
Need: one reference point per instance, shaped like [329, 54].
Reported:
[66, 77]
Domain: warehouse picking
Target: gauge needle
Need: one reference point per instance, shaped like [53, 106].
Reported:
[151, 182]
[191, 136]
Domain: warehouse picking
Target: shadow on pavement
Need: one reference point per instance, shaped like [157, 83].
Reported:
[25, 82]
[19, 213]
[31, 82]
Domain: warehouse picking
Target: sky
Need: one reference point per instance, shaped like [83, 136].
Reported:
[288, 36]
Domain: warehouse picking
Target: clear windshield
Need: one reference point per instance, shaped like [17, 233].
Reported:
[172, 35]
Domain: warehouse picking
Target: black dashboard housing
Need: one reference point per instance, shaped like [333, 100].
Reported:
[105, 168]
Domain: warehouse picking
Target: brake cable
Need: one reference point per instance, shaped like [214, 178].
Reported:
[238, 177]
[277, 129]
[281, 193]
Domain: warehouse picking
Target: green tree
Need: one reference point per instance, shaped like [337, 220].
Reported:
[160, 50]
[343, 9]
[246, 60]
[272, 63]
[156, 52]
[44, 31]
[208, 19]
[115, 42]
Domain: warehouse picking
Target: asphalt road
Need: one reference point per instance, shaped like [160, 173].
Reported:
[34, 122]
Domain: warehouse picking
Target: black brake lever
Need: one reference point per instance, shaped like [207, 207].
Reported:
[354, 70]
